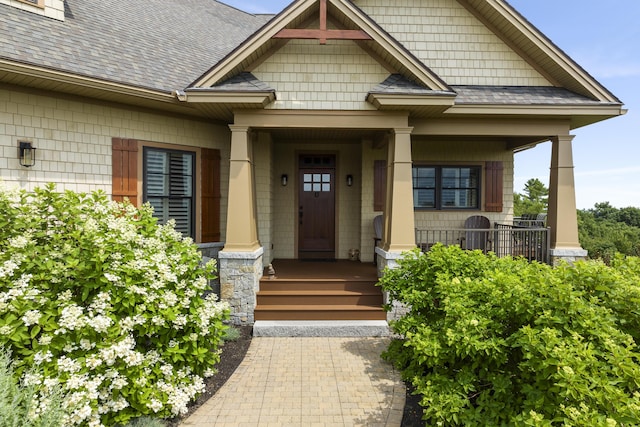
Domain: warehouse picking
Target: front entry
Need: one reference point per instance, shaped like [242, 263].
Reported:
[316, 207]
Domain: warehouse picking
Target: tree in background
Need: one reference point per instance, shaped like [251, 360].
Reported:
[605, 230]
[534, 199]
[628, 215]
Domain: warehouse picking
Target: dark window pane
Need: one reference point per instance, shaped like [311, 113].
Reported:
[446, 187]
[169, 186]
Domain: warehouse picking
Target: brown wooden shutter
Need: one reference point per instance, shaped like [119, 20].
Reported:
[493, 186]
[210, 195]
[379, 184]
[124, 155]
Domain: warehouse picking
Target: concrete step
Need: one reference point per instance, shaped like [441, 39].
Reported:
[320, 328]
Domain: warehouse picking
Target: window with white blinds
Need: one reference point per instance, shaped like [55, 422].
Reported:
[169, 186]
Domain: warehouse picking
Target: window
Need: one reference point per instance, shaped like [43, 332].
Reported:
[446, 187]
[169, 186]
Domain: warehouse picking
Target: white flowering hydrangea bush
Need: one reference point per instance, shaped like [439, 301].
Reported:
[102, 301]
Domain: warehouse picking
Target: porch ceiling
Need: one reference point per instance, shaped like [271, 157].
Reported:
[325, 135]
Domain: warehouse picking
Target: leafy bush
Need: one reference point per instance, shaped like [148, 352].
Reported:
[491, 341]
[604, 236]
[18, 407]
[145, 422]
[105, 302]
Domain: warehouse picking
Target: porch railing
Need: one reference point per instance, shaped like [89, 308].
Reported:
[532, 243]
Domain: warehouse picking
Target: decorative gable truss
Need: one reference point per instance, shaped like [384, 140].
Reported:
[231, 81]
[410, 85]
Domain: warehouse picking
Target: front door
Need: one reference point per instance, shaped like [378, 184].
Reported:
[316, 207]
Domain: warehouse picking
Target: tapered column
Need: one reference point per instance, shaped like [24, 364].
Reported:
[242, 230]
[562, 216]
[399, 233]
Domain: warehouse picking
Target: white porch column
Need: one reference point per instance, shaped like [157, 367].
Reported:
[242, 230]
[399, 228]
[562, 216]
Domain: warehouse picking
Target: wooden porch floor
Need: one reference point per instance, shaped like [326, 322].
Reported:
[325, 270]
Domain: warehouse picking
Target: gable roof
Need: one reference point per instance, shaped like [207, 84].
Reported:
[537, 49]
[146, 52]
[344, 13]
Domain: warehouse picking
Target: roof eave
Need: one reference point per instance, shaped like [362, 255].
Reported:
[257, 99]
[578, 115]
[395, 100]
[66, 78]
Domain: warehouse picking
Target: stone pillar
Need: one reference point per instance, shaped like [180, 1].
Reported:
[240, 274]
[241, 258]
[399, 224]
[562, 216]
[242, 229]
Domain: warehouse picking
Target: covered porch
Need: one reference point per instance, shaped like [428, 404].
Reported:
[268, 180]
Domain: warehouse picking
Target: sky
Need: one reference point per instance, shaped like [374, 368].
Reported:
[604, 38]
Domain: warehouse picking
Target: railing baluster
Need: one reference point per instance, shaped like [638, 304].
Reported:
[530, 242]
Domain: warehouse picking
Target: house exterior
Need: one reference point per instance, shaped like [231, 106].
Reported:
[283, 137]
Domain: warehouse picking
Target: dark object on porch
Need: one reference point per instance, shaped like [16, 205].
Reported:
[377, 238]
[530, 242]
[477, 236]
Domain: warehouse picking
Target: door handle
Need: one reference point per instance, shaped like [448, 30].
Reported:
[300, 215]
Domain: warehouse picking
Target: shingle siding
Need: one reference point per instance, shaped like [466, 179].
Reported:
[73, 140]
[452, 42]
[311, 76]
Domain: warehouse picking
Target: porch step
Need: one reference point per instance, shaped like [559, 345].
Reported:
[319, 312]
[352, 285]
[317, 328]
[319, 299]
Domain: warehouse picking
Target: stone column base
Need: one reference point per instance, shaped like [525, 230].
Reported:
[390, 259]
[240, 274]
[569, 255]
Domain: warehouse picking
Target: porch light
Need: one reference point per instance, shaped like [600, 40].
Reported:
[349, 180]
[27, 154]
[284, 179]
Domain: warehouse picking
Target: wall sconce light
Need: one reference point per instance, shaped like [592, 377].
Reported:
[27, 154]
[284, 179]
[349, 180]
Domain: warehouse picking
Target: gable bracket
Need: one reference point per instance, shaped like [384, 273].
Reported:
[322, 34]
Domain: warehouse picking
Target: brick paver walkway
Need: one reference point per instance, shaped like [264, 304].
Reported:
[308, 382]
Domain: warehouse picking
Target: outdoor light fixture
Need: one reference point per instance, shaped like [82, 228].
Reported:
[284, 179]
[27, 154]
[349, 180]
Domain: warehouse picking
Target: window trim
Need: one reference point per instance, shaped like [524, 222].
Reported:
[35, 3]
[194, 231]
[438, 186]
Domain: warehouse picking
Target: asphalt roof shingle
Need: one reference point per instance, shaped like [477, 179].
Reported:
[398, 84]
[157, 44]
[520, 95]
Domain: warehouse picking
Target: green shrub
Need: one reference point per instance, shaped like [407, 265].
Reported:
[145, 422]
[100, 298]
[18, 406]
[491, 341]
[231, 334]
